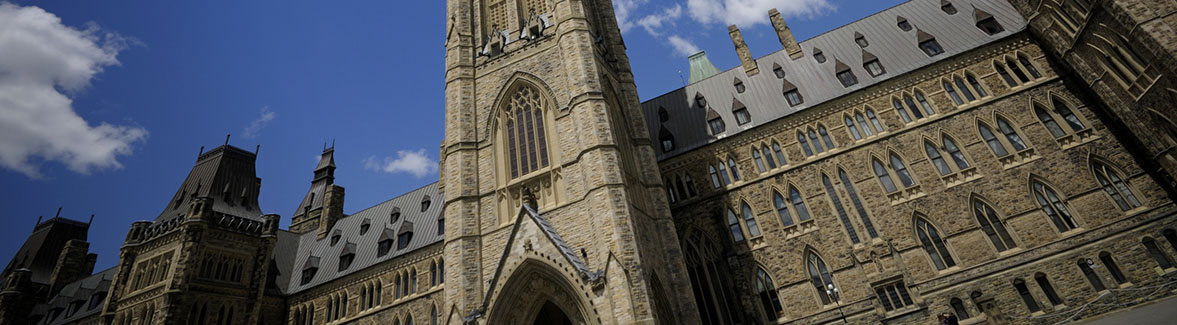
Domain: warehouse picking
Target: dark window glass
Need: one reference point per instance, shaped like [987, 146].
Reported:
[1162, 260]
[842, 215]
[1023, 291]
[794, 97]
[847, 78]
[1113, 268]
[716, 125]
[990, 26]
[1091, 276]
[933, 245]
[858, 206]
[1048, 289]
[742, 116]
[768, 295]
[931, 47]
[874, 68]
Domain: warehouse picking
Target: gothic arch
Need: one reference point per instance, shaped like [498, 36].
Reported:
[536, 288]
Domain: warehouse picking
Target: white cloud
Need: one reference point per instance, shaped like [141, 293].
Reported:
[653, 23]
[624, 9]
[414, 163]
[256, 126]
[41, 61]
[748, 13]
[682, 45]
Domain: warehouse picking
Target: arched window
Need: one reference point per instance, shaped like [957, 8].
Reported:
[733, 224]
[952, 93]
[709, 280]
[816, 143]
[858, 206]
[780, 155]
[843, 216]
[804, 144]
[820, 276]
[768, 295]
[995, 144]
[782, 209]
[825, 136]
[731, 165]
[1024, 292]
[723, 175]
[526, 138]
[1092, 277]
[1054, 206]
[933, 244]
[750, 220]
[794, 202]
[1048, 289]
[767, 156]
[901, 171]
[874, 120]
[715, 181]
[850, 126]
[759, 161]
[1163, 260]
[937, 159]
[884, 176]
[1113, 268]
[958, 308]
[1115, 186]
[1171, 237]
[992, 225]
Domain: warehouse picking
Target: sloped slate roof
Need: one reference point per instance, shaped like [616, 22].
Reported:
[224, 169]
[308, 248]
[82, 290]
[41, 250]
[897, 51]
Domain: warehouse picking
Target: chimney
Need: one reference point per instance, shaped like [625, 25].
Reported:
[784, 34]
[742, 51]
[701, 67]
[332, 209]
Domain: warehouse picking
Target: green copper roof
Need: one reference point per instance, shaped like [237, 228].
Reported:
[701, 67]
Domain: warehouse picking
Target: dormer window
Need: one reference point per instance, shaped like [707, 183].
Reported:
[792, 95]
[335, 236]
[819, 56]
[96, 299]
[700, 101]
[845, 76]
[947, 7]
[740, 112]
[404, 236]
[663, 115]
[180, 200]
[667, 140]
[716, 125]
[395, 215]
[778, 71]
[347, 256]
[861, 40]
[309, 269]
[425, 203]
[987, 23]
[874, 68]
[364, 226]
[385, 243]
[739, 86]
[904, 24]
[929, 44]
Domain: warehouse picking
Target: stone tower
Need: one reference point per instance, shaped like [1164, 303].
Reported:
[204, 259]
[555, 208]
[323, 204]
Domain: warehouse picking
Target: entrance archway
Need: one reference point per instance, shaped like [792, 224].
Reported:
[536, 293]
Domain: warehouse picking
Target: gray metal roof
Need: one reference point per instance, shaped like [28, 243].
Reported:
[80, 291]
[226, 174]
[294, 251]
[41, 250]
[896, 49]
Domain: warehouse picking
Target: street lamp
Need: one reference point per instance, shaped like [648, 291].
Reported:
[833, 293]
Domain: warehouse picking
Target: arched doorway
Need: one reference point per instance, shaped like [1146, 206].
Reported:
[549, 314]
[537, 293]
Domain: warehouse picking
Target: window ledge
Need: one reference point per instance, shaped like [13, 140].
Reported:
[962, 177]
[908, 194]
[1077, 139]
[1020, 158]
[1166, 271]
[800, 228]
[898, 313]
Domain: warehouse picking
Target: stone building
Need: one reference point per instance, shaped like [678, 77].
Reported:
[1004, 161]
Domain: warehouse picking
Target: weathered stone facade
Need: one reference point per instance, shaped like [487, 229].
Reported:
[1029, 179]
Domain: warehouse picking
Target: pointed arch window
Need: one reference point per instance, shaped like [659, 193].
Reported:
[992, 225]
[768, 295]
[733, 224]
[934, 245]
[527, 148]
[874, 120]
[819, 276]
[852, 128]
[896, 169]
[804, 144]
[750, 220]
[817, 147]
[884, 176]
[995, 145]
[731, 165]
[937, 159]
[710, 280]
[843, 216]
[794, 202]
[858, 206]
[1059, 119]
[759, 160]
[958, 160]
[1159, 256]
[1011, 134]
[715, 181]
[1115, 186]
[767, 157]
[780, 155]
[1054, 206]
[1125, 65]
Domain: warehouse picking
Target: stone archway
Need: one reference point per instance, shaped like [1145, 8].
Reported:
[537, 293]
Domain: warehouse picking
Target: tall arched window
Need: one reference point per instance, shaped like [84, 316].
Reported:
[526, 138]
[768, 295]
[992, 225]
[794, 202]
[768, 159]
[858, 206]
[896, 169]
[819, 276]
[1054, 206]
[780, 155]
[933, 244]
[1059, 119]
[995, 144]
[1163, 260]
[1115, 186]
[710, 281]
[804, 144]
[1092, 277]
[759, 161]
[750, 220]
[733, 224]
[837, 202]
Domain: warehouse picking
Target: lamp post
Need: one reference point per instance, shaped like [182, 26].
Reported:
[833, 293]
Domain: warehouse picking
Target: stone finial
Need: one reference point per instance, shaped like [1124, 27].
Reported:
[784, 34]
[742, 51]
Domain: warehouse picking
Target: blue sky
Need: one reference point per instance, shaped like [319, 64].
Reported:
[104, 105]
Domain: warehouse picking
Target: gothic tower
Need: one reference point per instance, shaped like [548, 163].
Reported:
[554, 204]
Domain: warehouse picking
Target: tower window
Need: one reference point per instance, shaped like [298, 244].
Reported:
[526, 136]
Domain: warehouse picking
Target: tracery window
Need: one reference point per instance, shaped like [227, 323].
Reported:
[894, 296]
[937, 154]
[933, 244]
[780, 155]
[1022, 69]
[749, 220]
[895, 169]
[843, 216]
[768, 294]
[1115, 186]
[964, 90]
[527, 148]
[1054, 205]
[819, 276]
[908, 109]
[1011, 138]
[992, 225]
[710, 280]
[794, 204]
[1059, 119]
[1120, 60]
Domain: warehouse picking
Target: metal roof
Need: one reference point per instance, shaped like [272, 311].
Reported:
[41, 250]
[295, 251]
[80, 291]
[226, 174]
[897, 50]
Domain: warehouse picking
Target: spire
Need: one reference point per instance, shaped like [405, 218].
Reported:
[701, 67]
[326, 168]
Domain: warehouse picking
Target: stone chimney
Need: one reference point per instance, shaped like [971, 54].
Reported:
[746, 59]
[332, 209]
[785, 35]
